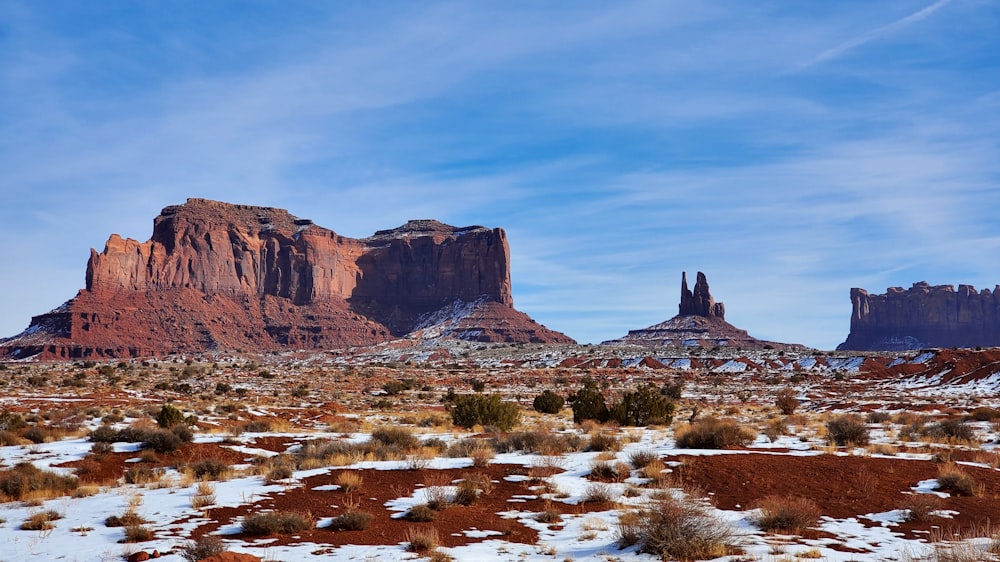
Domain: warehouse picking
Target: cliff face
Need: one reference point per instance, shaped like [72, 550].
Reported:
[700, 322]
[924, 316]
[220, 276]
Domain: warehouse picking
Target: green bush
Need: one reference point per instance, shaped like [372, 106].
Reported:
[468, 410]
[169, 416]
[644, 406]
[548, 402]
[588, 403]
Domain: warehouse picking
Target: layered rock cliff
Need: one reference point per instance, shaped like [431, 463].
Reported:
[230, 277]
[700, 322]
[924, 316]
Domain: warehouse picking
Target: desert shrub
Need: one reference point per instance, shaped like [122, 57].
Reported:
[481, 456]
[208, 545]
[779, 513]
[984, 413]
[41, 521]
[712, 433]
[597, 493]
[956, 481]
[140, 474]
[398, 437]
[36, 434]
[654, 470]
[610, 471]
[183, 432]
[548, 402]
[351, 520]
[949, 430]
[276, 523]
[602, 441]
[421, 540]
[535, 442]
[786, 402]
[349, 481]
[847, 430]
[128, 519]
[8, 438]
[212, 468]
[468, 410]
[920, 507]
[676, 529]
[278, 472]
[25, 478]
[138, 533]
[643, 406]
[161, 440]
[470, 487]
[169, 416]
[588, 403]
[878, 416]
[421, 513]
[642, 457]
[10, 421]
[549, 515]
[204, 496]
[104, 434]
[673, 390]
[101, 448]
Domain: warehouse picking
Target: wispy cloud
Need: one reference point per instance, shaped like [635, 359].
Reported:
[873, 35]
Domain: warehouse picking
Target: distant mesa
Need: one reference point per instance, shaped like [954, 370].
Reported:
[924, 316]
[700, 322]
[219, 276]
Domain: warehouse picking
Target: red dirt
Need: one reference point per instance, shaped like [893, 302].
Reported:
[842, 486]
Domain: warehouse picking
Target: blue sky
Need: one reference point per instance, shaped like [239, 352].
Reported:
[790, 150]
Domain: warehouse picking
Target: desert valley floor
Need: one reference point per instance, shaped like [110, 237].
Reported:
[354, 456]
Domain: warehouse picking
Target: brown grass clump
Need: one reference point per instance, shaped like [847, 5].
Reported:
[712, 433]
[421, 513]
[847, 430]
[25, 478]
[41, 521]
[351, 520]
[422, 540]
[641, 458]
[482, 455]
[676, 529]
[137, 533]
[920, 507]
[277, 523]
[956, 481]
[349, 481]
[204, 496]
[654, 470]
[610, 471]
[786, 514]
[597, 493]
[208, 545]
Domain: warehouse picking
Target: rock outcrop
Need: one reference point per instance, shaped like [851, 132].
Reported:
[217, 276]
[700, 322]
[924, 316]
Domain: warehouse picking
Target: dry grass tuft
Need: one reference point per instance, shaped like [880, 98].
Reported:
[956, 481]
[349, 481]
[422, 540]
[790, 514]
[277, 523]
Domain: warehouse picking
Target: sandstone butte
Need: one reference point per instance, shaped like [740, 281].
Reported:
[700, 322]
[924, 316]
[218, 276]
